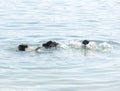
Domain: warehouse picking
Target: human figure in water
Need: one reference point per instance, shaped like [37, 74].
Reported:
[47, 45]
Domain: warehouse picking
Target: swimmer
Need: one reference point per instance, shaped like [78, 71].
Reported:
[47, 45]
[50, 44]
[22, 47]
[88, 47]
[85, 42]
[25, 47]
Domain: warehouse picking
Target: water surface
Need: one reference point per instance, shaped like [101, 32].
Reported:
[36, 21]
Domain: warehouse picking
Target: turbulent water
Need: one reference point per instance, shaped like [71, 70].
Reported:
[34, 22]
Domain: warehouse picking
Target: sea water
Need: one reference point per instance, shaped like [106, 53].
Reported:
[34, 22]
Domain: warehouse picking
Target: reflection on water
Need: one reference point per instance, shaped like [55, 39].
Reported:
[35, 22]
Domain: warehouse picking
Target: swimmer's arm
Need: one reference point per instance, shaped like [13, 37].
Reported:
[38, 48]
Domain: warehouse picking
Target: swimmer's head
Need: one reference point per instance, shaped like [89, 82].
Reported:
[50, 44]
[22, 47]
[85, 42]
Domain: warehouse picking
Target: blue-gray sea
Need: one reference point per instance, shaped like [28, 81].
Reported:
[34, 22]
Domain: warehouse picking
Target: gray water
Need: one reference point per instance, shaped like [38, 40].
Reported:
[36, 21]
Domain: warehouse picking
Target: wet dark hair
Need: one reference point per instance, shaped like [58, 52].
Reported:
[50, 44]
[85, 42]
[22, 47]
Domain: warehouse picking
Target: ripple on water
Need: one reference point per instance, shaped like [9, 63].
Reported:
[36, 21]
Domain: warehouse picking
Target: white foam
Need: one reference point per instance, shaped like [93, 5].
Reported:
[62, 45]
[105, 46]
[75, 44]
[91, 46]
